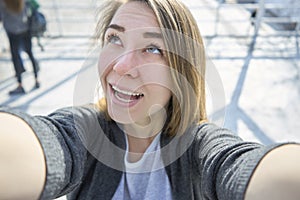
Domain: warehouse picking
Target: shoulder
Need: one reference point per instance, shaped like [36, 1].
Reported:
[212, 137]
[218, 143]
[86, 116]
[85, 112]
[213, 132]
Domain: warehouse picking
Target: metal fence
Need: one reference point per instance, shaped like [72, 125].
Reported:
[280, 17]
[76, 18]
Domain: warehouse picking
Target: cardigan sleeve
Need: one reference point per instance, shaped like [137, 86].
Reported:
[62, 136]
[226, 162]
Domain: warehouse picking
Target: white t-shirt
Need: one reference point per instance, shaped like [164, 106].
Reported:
[146, 178]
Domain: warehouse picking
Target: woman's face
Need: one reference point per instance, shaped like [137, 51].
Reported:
[133, 69]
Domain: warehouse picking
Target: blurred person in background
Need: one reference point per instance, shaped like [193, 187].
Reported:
[14, 15]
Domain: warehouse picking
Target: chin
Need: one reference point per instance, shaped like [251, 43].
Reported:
[122, 118]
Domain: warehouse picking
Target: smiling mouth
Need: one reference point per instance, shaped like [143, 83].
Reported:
[126, 96]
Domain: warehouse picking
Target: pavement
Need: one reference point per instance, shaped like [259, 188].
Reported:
[260, 82]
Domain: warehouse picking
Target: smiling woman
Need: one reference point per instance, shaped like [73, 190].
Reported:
[148, 137]
[163, 42]
[133, 50]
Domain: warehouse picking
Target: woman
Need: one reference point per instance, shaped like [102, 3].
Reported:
[15, 21]
[148, 138]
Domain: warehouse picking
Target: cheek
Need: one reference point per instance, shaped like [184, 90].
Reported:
[158, 74]
[159, 99]
[106, 61]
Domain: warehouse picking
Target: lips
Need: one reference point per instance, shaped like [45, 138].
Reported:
[126, 96]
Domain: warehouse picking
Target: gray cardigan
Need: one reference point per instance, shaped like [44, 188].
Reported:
[207, 162]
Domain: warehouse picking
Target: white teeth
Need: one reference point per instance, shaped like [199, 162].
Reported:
[121, 99]
[126, 92]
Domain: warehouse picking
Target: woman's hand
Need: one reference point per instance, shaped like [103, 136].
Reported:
[22, 162]
[277, 176]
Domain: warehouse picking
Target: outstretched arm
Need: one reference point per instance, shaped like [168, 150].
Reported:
[277, 176]
[22, 162]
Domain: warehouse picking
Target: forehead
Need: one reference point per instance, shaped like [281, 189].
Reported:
[134, 15]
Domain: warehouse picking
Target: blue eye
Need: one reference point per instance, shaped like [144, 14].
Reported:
[154, 49]
[114, 39]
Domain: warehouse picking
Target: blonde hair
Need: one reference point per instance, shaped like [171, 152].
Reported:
[185, 54]
[15, 6]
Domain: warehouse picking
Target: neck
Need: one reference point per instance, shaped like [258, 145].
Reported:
[137, 147]
[140, 137]
[146, 128]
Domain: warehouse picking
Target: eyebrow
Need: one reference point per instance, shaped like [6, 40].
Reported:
[145, 35]
[116, 27]
[152, 35]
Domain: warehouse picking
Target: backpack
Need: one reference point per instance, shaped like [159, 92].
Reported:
[37, 24]
[36, 21]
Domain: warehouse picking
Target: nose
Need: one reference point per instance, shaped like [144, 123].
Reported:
[127, 65]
